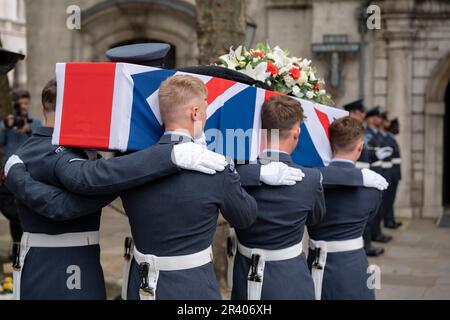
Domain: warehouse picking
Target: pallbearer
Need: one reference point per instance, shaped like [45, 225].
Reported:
[356, 111]
[173, 220]
[270, 263]
[336, 257]
[59, 256]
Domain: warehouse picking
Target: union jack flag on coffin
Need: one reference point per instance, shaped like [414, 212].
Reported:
[114, 106]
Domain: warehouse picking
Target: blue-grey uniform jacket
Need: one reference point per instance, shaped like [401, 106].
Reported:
[387, 207]
[46, 208]
[375, 139]
[177, 215]
[283, 212]
[396, 168]
[348, 210]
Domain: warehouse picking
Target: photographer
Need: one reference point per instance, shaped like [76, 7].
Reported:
[14, 130]
[17, 127]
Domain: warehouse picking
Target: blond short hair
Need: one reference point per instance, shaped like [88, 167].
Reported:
[177, 91]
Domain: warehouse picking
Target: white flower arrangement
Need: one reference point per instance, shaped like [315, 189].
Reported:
[280, 71]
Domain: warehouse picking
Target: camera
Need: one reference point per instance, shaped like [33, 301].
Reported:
[20, 118]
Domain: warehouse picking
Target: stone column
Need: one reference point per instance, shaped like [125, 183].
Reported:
[434, 148]
[399, 101]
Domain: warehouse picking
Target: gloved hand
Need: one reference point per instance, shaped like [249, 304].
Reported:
[371, 179]
[192, 156]
[202, 141]
[278, 174]
[14, 159]
[383, 153]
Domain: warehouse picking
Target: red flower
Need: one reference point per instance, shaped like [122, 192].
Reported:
[258, 54]
[272, 69]
[295, 73]
[316, 86]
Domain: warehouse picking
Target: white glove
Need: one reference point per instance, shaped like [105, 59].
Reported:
[192, 156]
[383, 153]
[371, 179]
[14, 159]
[279, 174]
[202, 141]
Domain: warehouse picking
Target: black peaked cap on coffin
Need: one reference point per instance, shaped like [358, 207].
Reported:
[8, 60]
[355, 105]
[146, 54]
[224, 73]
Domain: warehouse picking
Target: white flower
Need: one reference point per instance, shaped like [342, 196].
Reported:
[290, 82]
[238, 53]
[306, 62]
[296, 60]
[303, 78]
[296, 90]
[322, 92]
[229, 61]
[312, 76]
[283, 70]
[278, 56]
[259, 73]
[309, 94]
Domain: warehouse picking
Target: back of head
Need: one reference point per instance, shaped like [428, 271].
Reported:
[48, 96]
[345, 135]
[281, 113]
[175, 95]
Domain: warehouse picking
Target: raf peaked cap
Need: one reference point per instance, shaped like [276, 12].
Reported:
[355, 105]
[374, 112]
[147, 54]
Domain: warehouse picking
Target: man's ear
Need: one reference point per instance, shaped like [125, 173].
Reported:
[297, 133]
[360, 146]
[195, 114]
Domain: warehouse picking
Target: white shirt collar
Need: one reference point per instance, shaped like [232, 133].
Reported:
[274, 150]
[342, 160]
[179, 133]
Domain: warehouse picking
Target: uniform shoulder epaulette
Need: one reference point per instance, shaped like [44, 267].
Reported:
[60, 149]
[81, 153]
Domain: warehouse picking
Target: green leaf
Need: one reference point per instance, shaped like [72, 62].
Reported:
[223, 62]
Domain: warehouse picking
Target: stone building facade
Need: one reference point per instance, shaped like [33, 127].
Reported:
[13, 35]
[404, 66]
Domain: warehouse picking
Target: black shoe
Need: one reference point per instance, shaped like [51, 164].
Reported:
[374, 251]
[393, 225]
[383, 238]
